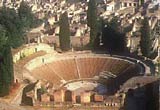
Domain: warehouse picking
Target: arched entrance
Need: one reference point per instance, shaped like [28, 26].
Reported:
[68, 96]
[78, 99]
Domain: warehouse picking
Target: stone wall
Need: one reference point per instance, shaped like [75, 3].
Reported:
[31, 49]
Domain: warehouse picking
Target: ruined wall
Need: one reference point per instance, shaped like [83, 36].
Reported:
[31, 49]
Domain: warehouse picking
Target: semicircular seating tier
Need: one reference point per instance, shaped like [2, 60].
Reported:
[64, 70]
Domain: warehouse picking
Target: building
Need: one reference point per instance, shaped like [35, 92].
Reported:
[129, 3]
[112, 6]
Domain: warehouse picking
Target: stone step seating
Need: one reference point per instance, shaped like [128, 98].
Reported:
[90, 67]
[46, 73]
[131, 71]
[66, 69]
[76, 68]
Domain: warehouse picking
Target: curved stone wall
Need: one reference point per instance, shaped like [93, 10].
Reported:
[27, 50]
[61, 69]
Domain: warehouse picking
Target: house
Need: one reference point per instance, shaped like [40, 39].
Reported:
[45, 98]
[62, 95]
[87, 97]
[129, 3]
[112, 5]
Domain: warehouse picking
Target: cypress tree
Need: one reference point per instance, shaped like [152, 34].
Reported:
[6, 64]
[6, 70]
[64, 34]
[91, 13]
[92, 20]
[145, 43]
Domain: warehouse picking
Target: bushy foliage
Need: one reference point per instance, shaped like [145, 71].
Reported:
[28, 19]
[25, 15]
[10, 20]
[113, 41]
[3, 38]
[112, 37]
[13, 26]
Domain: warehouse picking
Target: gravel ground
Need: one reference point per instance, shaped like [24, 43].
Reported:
[7, 106]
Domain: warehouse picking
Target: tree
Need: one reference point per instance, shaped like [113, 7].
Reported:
[13, 25]
[145, 42]
[28, 19]
[64, 34]
[16, 24]
[141, 2]
[92, 20]
[113, 41]
[114, 24]
[6, 71]
[3, 37]
[98, 40]
[26, 15]
[111, 38]
[10, 20]
[6, 64]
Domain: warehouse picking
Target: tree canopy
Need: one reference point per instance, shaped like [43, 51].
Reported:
[92, 20]
[145, 42]
[6, 64]
[111, 38]
[64, 34]
[28, 19]
[25, 15]
[3, 38]
[13, 26]
[10, 20]
[113, 41]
